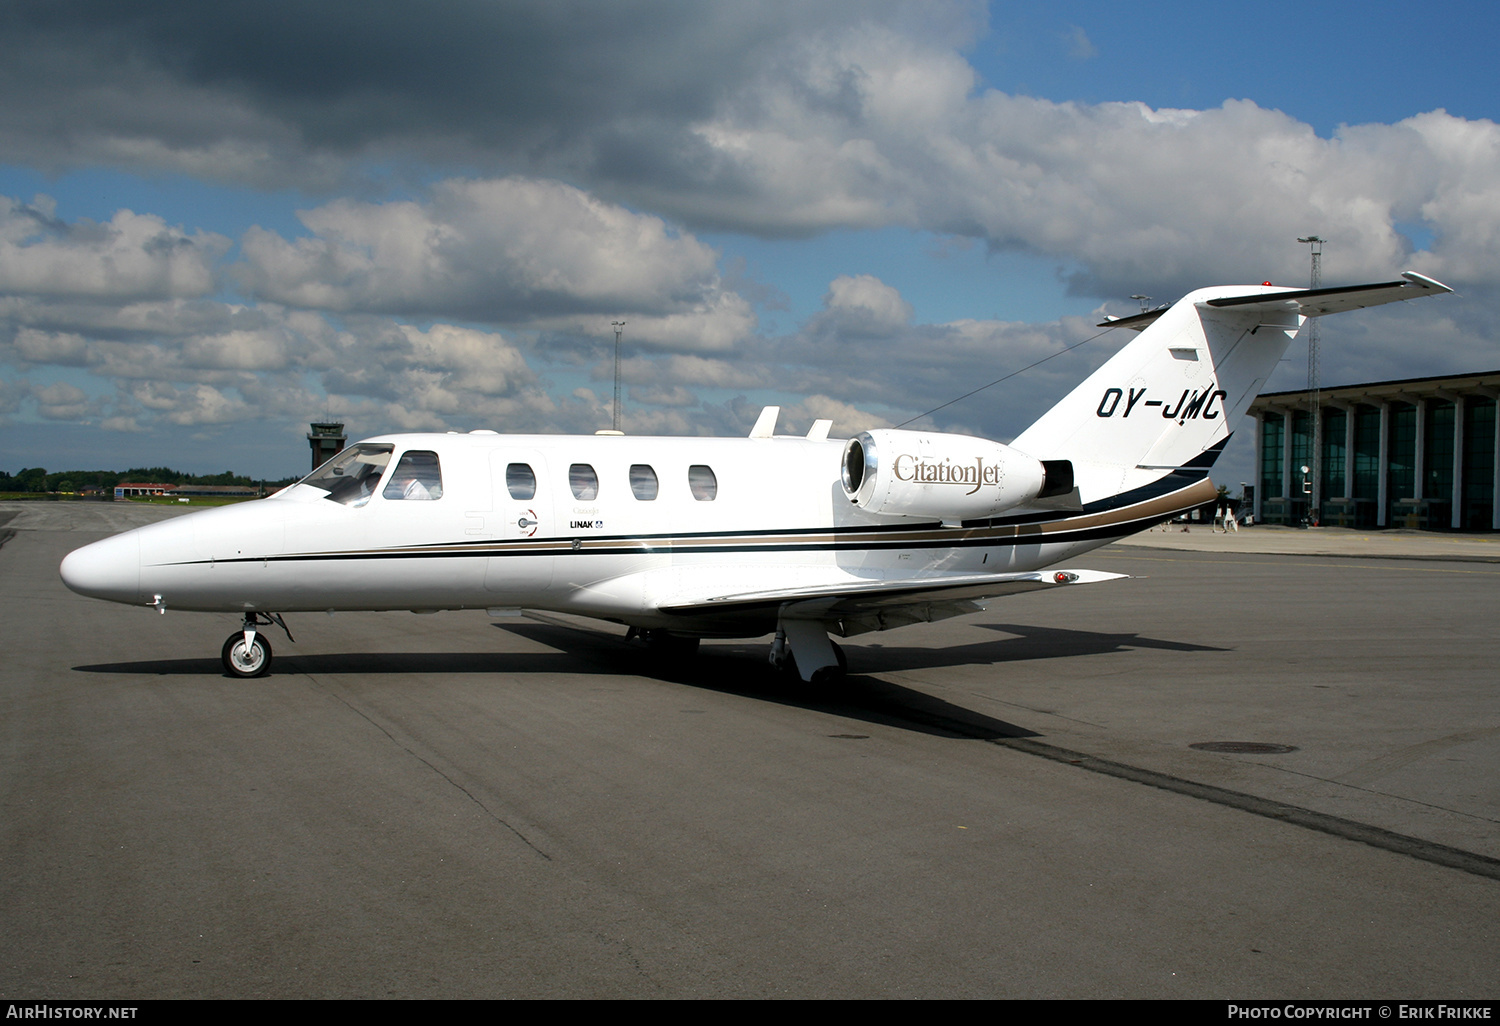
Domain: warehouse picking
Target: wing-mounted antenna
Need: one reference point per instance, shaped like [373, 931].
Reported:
[765, 424]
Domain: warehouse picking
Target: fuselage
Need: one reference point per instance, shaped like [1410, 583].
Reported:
[606, 526]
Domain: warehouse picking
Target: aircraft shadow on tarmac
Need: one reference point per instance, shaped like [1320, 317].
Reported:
[733, 668]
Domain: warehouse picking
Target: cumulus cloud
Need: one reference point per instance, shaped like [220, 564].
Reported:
[130, 257]
[847, 419]
[873, 129]
[62, 401]
[512, 250]
[277, 92]
[63, 349]
[861, 305]
[772, 119]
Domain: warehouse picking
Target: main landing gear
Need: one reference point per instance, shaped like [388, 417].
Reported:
[246, 652]
[803, 649]
[663, 644]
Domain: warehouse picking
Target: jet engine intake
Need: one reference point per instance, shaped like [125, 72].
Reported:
[946, 477]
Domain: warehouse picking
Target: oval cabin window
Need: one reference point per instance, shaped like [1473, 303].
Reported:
[704, 484]
[520, 481]
[584, 482]
[643, 482]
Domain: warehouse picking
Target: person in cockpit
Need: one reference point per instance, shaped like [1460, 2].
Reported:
[417, 476]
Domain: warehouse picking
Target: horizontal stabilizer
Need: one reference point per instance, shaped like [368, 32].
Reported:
[1307, 302]
[1317, 302]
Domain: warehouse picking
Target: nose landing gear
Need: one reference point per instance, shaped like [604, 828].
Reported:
[246, 652]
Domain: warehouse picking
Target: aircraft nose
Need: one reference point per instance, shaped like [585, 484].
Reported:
[108, 569]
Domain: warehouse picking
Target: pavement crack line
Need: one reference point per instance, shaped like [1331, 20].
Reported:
[430, 765]
[1389, 840]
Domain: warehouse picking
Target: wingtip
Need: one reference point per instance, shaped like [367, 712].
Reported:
[1422, 281]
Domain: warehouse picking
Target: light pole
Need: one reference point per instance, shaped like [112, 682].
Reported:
[1315, 498]
[619, 327]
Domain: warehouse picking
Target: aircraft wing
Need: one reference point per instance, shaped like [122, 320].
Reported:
[856, 606]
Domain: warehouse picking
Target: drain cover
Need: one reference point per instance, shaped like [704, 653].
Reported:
[1243, 747]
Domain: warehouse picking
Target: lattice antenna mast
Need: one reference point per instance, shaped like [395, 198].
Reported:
[1314, 371]
[619, 327]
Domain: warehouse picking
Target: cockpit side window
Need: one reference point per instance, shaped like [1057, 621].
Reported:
[704, 485]
[584, 482]
[351, 476]
[418, 477]
[520, 481]
[643, 482]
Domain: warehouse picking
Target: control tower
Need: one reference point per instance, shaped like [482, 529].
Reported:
[327, 440]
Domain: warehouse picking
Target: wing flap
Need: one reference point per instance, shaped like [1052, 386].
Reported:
[850, 597]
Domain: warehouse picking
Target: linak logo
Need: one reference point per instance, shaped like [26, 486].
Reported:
[913, 468]
[1188, 407]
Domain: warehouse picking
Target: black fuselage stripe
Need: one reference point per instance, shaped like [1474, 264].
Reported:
[993, 534]
[1119, 529]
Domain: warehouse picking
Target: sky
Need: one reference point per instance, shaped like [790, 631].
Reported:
[219, 222]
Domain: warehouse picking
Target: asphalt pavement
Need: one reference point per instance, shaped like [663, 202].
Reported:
[1267, 772]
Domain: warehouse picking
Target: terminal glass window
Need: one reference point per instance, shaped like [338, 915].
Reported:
[1301, 449]
[1272, 426]
[351, 476]
[1367, 452]
[1479, 462]
[704, 485]
[1403, 451]
[417, 477]
[1437, 454]
[584, 482]
[520, 481]
[643, 482]
[1334, 429]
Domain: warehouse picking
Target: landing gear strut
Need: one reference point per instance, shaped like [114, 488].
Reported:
[803, 649]
[246, 652]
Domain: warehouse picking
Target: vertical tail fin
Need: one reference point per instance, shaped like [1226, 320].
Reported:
[1171, 398]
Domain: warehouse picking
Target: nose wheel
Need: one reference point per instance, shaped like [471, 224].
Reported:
[247, 658]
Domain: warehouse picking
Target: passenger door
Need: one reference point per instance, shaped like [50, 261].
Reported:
[523, 563]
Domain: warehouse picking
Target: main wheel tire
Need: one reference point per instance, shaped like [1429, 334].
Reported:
[240, 661]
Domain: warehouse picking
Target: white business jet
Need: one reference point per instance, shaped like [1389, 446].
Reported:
[686, 538]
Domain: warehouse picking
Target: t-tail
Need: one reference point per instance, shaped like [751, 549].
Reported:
[1159, 412]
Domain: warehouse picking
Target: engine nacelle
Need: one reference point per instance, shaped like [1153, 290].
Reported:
[945, 477]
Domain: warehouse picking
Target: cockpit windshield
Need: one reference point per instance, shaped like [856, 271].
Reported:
[351, 476]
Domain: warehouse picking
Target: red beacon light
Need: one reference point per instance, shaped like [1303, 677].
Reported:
[1265, 283]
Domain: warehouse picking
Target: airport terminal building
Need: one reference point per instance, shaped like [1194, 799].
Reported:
[1420, 453]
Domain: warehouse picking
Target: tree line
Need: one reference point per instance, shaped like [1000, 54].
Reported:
[38, 479]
